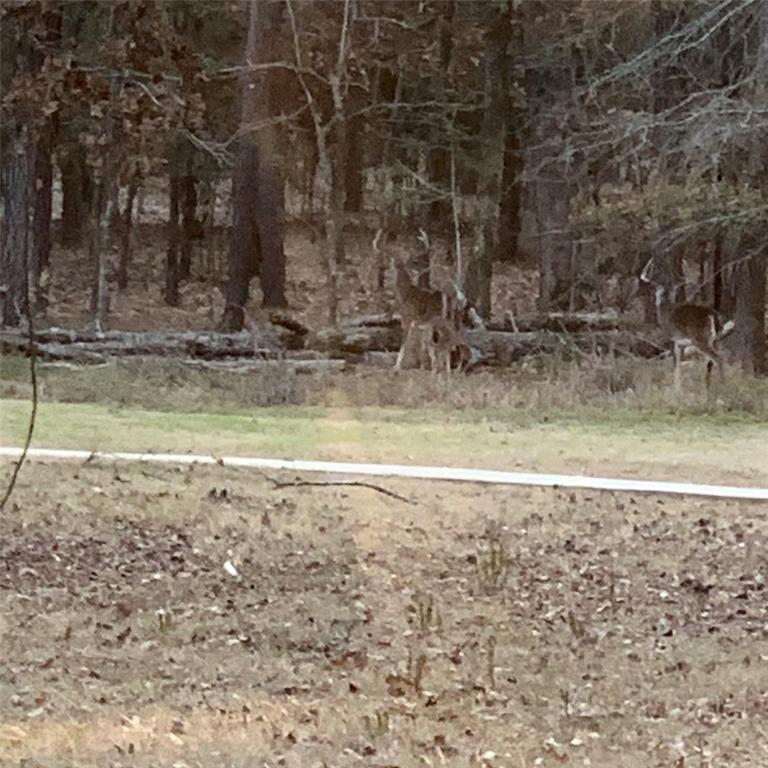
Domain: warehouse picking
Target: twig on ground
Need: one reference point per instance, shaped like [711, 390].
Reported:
[331, 483]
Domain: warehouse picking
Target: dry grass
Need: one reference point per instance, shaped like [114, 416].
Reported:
[532, 389]
[479, 627]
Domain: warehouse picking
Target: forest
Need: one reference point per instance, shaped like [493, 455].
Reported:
[383, 383]
[270, 160]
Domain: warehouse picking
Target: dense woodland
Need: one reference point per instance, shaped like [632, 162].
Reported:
[583, 139]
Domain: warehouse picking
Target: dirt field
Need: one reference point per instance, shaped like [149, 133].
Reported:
[202, 617]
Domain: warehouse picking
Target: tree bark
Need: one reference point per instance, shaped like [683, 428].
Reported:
[750, 313]
[269, 223]
[551, 200]
[479, 273]
[547, 173]
[16, 236]
[77, 194]
[40, 252]
[751, 296]
[125, 250]
[258, 189]
[172, 248]
[106, 195]
[188, 194]
[439, 157]
[510, 198]
[337, 203]
[243, 245]
[353, 167]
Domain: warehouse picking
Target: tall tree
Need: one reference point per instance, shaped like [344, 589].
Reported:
[256, 245]
[547, 161]
[753, 271]
[17, 172]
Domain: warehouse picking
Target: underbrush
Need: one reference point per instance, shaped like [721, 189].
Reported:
[533, 388]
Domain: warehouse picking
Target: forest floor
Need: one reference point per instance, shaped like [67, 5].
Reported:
[141, 306]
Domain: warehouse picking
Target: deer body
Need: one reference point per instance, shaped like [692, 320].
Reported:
[689, 325]
[424, 314]
[416, 303]
[697, 326]
[439, 345]
[431, 319]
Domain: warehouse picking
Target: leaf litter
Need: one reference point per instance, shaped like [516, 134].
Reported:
[147, 623]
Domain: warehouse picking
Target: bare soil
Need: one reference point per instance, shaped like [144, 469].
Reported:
[200, 617]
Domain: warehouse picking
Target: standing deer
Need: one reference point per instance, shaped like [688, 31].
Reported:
[689, 325]
[441, 346]
[431, 319]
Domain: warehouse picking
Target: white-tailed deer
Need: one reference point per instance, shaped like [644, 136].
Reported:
[441, 346]
[689, 325]
[429, 307]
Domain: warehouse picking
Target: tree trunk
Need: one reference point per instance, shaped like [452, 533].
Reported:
[125, 250]
[751, 296]
[40, 252]
[243, 245]
[188, 195]
[172, 248]
[17, 168]
[332, 233]
[106, 195]
[750, 313]
[510, 220]
[510, 198]
[77, 195]
[269, 226]
[439, 157]
[105, 205]
[550, 192]
[258, 189]
[354, 164]
[479, 273]
[335, 207]
[554, 241]
[258, 105]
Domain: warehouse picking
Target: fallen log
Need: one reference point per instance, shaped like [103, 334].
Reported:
[351, 342]
[383, 320]
[57, 344]
[502, 347]
[373, 344]
[492, 347]
[260, 366]
[560, 322]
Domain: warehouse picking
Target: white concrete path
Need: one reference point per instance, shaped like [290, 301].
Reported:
[417, 472]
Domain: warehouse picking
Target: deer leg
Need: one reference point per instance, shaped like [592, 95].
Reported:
[677, 355]
[403, 346]
[400, 355]
[714, 358]
[431, 358]
[718, 360]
